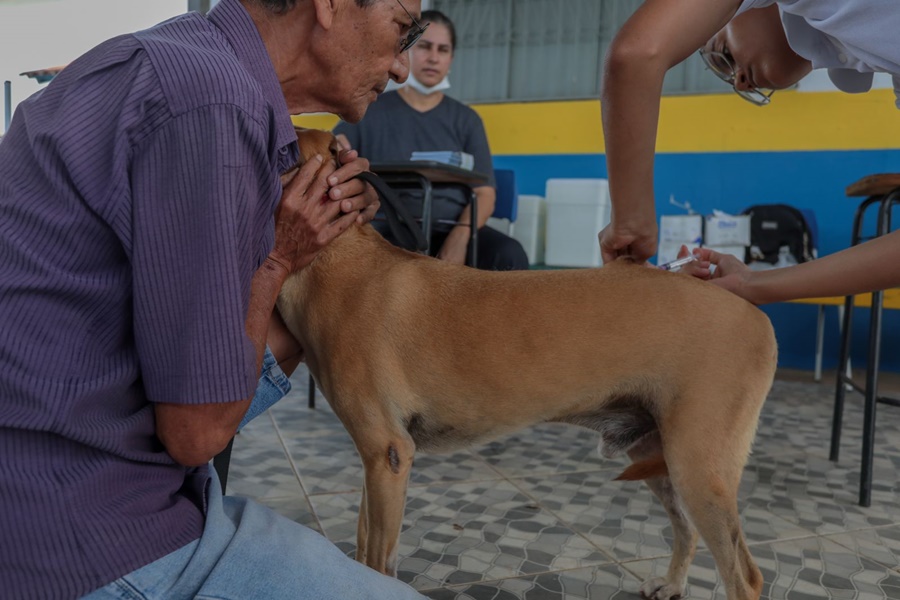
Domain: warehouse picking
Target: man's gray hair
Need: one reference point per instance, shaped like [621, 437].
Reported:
[281, 6]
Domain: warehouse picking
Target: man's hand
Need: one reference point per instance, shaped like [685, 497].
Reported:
[353, 194]
[306, 220]
[637, 242]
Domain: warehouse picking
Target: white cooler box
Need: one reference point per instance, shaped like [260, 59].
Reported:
[531, 226]
[577, 209]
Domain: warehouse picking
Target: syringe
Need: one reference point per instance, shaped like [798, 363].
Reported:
[678, 263]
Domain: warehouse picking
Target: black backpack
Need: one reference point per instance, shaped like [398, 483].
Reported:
[775, 225]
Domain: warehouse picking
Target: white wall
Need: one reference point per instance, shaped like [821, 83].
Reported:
[37, 34]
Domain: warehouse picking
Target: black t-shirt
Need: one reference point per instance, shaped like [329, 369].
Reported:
[392, 130]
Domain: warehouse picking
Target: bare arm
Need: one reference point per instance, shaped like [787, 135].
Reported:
[456, 244]
[194, 433]
[658, 36]
[874, 265]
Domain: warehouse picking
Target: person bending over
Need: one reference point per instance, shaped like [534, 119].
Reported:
[757, 46]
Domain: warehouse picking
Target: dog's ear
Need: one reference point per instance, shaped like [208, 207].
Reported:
[317, 141]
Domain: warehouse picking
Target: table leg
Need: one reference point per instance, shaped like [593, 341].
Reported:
[820, 342]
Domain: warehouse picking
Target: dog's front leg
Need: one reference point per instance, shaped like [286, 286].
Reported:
[362, 529]
[387, 460]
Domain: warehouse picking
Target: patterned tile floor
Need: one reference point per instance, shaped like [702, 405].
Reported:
[537, 516]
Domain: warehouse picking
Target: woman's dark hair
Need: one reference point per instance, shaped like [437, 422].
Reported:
[281, 6]
[436, 16]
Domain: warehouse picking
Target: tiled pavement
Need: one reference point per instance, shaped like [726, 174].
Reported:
[537, 516]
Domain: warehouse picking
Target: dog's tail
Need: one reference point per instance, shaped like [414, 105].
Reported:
[652, 467]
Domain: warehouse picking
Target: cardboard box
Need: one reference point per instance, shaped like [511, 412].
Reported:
[684, 229]
[727, 230]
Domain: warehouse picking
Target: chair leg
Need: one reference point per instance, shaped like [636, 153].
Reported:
[473, 230]
[840, 390]
[427, 211]
[312, 392]
[820, 343]
[868, 446]
[842, 380]
[221, 462]
[868, 450]
[848, 372]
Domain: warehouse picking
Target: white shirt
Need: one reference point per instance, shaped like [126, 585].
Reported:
[853, 39]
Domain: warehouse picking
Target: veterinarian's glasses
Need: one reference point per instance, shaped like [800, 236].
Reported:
[722, 66]
[415, 32]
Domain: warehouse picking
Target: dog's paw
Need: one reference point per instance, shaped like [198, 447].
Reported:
[659, 588]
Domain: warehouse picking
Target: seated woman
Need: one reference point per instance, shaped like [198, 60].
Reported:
[420, 117]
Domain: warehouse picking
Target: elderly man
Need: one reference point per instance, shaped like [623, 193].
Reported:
[145, 236]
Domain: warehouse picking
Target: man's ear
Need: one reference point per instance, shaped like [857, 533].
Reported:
[325, 11]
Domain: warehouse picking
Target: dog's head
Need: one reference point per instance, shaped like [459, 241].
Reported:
[402, 223]
[312, 142]
[317, 141]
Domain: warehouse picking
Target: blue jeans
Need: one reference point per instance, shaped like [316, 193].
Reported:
[273, 385]
[248, 551]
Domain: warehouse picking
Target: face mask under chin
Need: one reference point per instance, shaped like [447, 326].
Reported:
[424, 89]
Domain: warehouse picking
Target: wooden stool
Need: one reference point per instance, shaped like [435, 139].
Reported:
[883, 192]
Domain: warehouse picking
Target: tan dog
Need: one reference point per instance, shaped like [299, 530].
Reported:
[413, 353]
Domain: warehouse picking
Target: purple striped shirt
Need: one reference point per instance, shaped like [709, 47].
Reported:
[137, 194]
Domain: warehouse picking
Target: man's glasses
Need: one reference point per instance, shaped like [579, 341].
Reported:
[722, 66]
[415, 32]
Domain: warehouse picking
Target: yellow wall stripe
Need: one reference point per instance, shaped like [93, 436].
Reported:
[794, 121]
[316, 121]
[705, 123]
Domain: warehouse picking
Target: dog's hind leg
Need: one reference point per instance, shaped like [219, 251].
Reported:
[685, 543]
[712, 507]
[705, 468]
